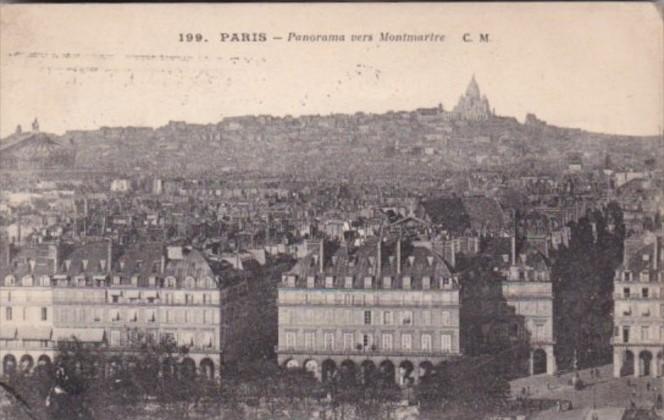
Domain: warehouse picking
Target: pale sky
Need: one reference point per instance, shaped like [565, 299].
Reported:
[596, 66]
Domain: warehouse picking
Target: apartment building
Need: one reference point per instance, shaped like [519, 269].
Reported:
[638, 341]
[104, 296]
[388, 307]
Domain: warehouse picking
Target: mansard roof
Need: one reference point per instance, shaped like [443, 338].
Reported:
[417, 262]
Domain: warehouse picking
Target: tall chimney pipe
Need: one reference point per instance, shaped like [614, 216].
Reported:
[378, 256]
[655, 262]
[321, 255]
[399, 255]
[109, 256]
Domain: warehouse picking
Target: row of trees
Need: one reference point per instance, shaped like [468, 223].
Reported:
[583, 288]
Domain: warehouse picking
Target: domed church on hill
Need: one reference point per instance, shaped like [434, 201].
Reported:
[473, 105]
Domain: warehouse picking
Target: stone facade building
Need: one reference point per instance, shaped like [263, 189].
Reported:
[50, 293]
[638, 341]
[389, 307]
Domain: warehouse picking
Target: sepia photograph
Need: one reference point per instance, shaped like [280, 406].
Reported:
[332, 211]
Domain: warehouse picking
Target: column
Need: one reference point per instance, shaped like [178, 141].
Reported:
[531, 363]
[550, 361]
[617, 362]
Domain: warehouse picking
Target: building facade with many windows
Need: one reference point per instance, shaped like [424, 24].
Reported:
[94, 294]
[389, 307]
[638, 338]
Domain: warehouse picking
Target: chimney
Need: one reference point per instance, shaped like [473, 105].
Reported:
[399, 255]
[452, 254]
[514, 237]
[379, 262]
[321, 255]
[655, 262]
[109, 256]
[513, 240]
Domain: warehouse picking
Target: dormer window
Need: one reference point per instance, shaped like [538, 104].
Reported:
[170, 282]
[348, 282]
[627, 276]
[367, 282]
[26, 281]
[645, 276]
[10, 280]
[134, 281]
[406, 283]
[189, 282]
[411, 260]
[426, 283]
[67, 265]
[152, 281]
[116, 280]
[290, 281]
[102, 265]
[311, 282]
[329, 282]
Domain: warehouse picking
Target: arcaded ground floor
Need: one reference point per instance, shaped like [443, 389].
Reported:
[27, 361]
[401, 370]
[638, 361]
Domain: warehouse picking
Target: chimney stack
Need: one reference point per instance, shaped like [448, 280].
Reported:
[514, 229]
[655, 262]
[378, 256]
[109, 256]
[513, 240]
[399, 255]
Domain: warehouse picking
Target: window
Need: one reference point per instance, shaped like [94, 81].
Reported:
[348, 341]
[539, 331]
[387, 342]
[44, 314]
[446, 318]
[367, 317]
[645, 292]
[329, 341]
[365, 340]
[426, 315]
[626, 292]
[310, 282]
[406, 318]
[348, 282]
[645, 333]
[309, 340]
[387, 317]
[446, 343]
[8, 314]
[290, 340]
[426, 283]
[406, 282]
[626, 334]
[616, 331]
[387, 282]
[425, 342]
[188, 298]
[406, 341]
[329, 282]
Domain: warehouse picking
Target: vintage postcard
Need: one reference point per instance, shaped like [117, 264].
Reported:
[332, 211]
